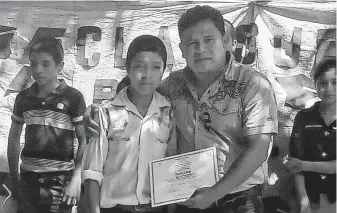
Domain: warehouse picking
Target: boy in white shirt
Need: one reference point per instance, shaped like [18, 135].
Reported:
[135, 127]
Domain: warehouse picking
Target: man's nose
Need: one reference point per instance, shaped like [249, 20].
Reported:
[200, 47]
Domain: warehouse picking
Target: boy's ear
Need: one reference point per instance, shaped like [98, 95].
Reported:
[182, 49]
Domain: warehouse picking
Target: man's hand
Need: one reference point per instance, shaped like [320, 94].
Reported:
[201, 199]
[73, 191]
[91, 126]
[294, 165]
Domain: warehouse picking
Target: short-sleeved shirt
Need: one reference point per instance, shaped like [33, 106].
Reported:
[119, 157]
[313, 140]
[50, 131]
[238, 104]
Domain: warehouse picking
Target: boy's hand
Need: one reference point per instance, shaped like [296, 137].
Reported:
[91, 126]
[73, 191]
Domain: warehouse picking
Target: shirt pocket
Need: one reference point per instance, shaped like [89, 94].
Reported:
[224, 117]
[120, 145]
[159, 149]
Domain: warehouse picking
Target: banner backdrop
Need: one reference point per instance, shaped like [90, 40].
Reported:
[281, 39]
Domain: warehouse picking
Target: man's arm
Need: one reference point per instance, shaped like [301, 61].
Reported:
[244, 166]
[241, 169]
[13, 154]
[92, 198]
[89, 117]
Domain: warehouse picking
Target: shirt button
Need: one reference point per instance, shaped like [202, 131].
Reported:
[323, 177]
[324, 154]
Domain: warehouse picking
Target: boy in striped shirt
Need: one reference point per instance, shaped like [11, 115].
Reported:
[53, 114]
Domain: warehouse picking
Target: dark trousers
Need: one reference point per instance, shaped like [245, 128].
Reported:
[43, 192]
[133, 209]
[248, 201]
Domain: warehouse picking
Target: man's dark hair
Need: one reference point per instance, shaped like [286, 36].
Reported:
[231, 30]
[145, 43]
[49, 45]
[323, 67]
[201, 13]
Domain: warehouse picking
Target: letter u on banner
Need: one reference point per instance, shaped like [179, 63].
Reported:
[286, 54]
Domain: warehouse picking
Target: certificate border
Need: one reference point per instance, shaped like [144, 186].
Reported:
[215, 164]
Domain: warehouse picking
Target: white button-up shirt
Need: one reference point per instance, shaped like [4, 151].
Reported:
[119, 157]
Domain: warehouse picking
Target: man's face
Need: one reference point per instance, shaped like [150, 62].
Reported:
[203, 47]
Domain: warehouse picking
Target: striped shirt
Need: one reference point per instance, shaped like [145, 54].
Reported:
[50, 131]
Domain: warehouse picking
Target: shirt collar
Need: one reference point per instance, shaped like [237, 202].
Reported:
[158, 101]
[34, 90]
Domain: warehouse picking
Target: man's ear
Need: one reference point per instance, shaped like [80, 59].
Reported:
[225, 39]
[182, 49]
[235, 42]
[60, 66]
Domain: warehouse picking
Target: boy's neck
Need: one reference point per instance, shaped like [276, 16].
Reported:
[141, 101]
[45, 90]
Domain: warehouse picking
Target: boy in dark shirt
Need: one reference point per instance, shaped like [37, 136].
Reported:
[53, 113]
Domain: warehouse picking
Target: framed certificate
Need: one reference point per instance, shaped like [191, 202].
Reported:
[174, 179]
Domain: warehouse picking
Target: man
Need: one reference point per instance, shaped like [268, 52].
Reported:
[218, 102]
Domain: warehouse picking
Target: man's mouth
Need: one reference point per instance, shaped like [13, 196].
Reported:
[201, 59]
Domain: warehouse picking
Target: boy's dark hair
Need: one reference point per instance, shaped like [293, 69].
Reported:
[231, 29]
[5, 40]
[145, 43]
[200, 13]
[323, 67]
[49, 45]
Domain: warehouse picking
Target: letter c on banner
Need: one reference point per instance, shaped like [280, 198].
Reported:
[87, 43]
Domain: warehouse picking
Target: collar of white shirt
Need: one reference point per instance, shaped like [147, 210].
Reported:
[158, 101]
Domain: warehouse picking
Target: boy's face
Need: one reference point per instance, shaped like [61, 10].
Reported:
[146, 71]
[203, 47]
[43, 68]
[326, 86]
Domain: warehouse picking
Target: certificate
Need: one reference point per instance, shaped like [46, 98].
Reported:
[174, 179]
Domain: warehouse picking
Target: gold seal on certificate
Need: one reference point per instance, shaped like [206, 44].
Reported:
[174, 179]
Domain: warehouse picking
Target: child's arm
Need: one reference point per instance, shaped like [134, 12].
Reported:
[302, 194]
[73, 190]
[325, 167]
[13, 154]
[92, 198]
